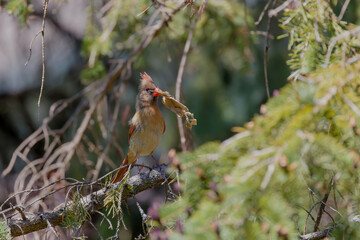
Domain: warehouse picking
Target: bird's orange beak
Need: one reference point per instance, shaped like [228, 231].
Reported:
[155, 94]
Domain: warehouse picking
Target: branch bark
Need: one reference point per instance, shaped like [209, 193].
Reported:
[92, 202]
[316, 235]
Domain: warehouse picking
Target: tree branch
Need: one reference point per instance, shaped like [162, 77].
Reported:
[316, 235]
[92, 202]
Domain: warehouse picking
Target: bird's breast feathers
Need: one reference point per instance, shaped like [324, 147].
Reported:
[148, 130]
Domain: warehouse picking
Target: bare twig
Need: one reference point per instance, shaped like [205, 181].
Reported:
[181, 73]
[96, 230]
[21, 211]
[343, 10]
[352, 105]
[147, 8]
[322, 202]
[335, 39]
[45, 6]
[269, 173]
[307, 217]
[143, 215]
[31, 191]
[106, 218]
[30, 48]
[266, 52]
[353, 59]
[50, 226]
[317, 35]
[263, 12]
[103, 156]
[275, 12]
[322, 206]
[17, 151]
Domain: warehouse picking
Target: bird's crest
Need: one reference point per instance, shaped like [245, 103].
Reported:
[146, 82]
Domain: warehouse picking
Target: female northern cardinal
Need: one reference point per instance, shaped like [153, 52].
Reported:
[146, 127]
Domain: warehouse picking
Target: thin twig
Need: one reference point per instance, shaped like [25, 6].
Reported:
[21, 211]
[335, 39]
[147, 8]
[246, 15]
[317, 35]
[103, 155]
[263, 12]
[180, 74]
[353, 59]
[275, 12]
[29, 191]
[45, 6]
[106, 218]
[143, 215]
[97, 231]
[50, 226]
[352, 105]
[307, 217]
[322, 206]
[268, 174]
[266, 52]
[30, 48]
[343, 10]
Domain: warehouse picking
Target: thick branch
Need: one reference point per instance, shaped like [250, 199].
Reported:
[92, 202]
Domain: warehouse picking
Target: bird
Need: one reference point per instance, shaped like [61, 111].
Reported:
[147, 126]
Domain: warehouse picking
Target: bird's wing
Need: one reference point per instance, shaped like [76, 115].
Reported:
[131, 130]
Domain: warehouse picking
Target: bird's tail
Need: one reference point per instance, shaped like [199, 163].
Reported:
[122, 171]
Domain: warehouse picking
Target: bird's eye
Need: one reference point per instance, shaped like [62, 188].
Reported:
[148, 89]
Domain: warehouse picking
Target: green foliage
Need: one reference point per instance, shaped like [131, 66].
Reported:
[310, 26]
[114, 196]
[20, 9]
[89, 75]
[75, 214]
[4, 231]
[256, 185]
[115, 34]
[225, 46]
[121, 23]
